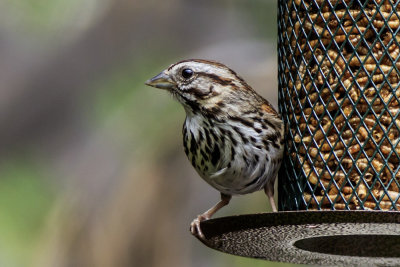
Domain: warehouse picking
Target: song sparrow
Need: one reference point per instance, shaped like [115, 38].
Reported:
[232, 136]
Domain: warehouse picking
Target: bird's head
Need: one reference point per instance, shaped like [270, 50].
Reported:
[202, 85]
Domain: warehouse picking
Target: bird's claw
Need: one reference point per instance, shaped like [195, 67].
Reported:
[195, 228]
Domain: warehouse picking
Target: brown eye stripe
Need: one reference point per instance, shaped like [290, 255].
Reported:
[217, 79]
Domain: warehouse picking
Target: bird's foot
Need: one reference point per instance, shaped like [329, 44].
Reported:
[195, 228]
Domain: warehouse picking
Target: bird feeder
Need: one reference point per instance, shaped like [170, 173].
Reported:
[339, 97]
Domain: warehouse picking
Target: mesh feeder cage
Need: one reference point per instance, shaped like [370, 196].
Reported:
[339, 97]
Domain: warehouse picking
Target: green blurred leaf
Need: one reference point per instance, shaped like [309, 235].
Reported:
[25, 199]
[32, 17]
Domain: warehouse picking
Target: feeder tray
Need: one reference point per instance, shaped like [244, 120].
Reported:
[310, 237]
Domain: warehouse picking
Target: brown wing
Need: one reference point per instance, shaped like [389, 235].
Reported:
[266, 106]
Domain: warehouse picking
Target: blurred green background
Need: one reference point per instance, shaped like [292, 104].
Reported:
[92, 169]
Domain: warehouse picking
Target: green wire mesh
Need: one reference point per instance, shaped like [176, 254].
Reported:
[340, 99]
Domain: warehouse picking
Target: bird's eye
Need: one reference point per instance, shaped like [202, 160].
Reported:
[187, 73]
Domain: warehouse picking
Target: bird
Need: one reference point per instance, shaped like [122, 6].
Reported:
[232, 136]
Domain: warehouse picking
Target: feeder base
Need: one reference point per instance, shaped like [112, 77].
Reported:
[310, 237]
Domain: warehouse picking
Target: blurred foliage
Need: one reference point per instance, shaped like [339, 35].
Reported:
[25, 199]
[260, 12]
[44, 17]
[124, 95]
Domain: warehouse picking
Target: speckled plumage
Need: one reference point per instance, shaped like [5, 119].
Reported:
[232, 136]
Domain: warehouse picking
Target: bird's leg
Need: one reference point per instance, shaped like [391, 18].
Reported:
[269, 191]
[195, 225]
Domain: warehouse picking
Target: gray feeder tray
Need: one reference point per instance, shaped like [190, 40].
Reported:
[310, 237]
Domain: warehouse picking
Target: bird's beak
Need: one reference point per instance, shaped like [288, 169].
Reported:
[162, 81]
